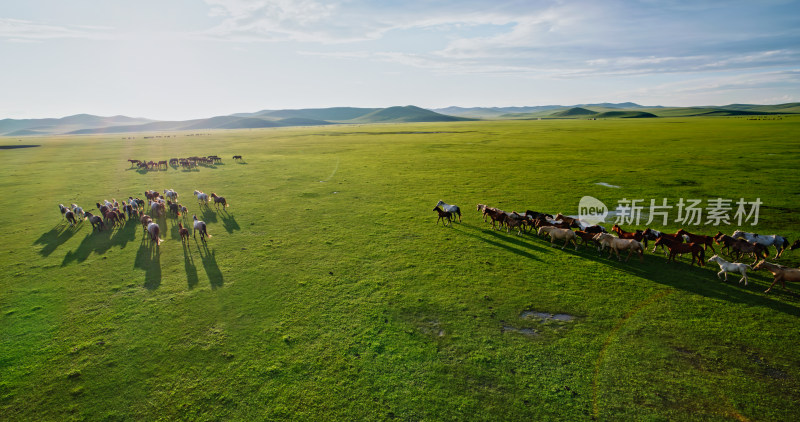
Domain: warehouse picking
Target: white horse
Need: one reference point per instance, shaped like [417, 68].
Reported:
[201, 227]
[616, 244]
[730, 267]
[779, 242]
[78, 211]
[153, 229]
[452, 209]
[171, 195]
[557, 233]
[201, 197]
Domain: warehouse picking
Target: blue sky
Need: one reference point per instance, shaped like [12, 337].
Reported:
[182, 59]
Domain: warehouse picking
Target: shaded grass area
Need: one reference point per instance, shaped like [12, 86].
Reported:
[328, 292]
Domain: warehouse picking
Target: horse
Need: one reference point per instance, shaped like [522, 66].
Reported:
[518, 223]
[730, 267]
[171, 194]
[497, 216]
[781, 273]
[678, 248]
[145, 220]
[724, 240]
[615, 245]
[202, 198]
[637, 235]
[586, 237]
[70, 216]
[452, 209]
[556, 233]
[594, 229]
[78, 211]
[184, 232]
[219, 200]
[573, 222]
[795, 245]
[482, 209]
[63, 210]
[95, 220]
[650, 234]
[238, 157]
[704, 240]
[154, 230]
[741, 246]
[443, 215]
[174, 209]
[779, 242]
[201, 227]
[158, 209]
[534, 215]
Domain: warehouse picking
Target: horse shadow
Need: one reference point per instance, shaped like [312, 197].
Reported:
[208, 215]
[191, 269]
[697, 280]
[229, 222]
[148, 258]
[209, 260]
[98, 242]
[124, 234]
[56, 237]
[468, 230]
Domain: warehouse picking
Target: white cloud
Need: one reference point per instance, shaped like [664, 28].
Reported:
[23, 30]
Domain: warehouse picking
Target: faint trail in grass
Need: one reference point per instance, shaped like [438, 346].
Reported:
[335, 169]
[643, 304]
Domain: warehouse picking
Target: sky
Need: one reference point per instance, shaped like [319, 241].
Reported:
[184, 59]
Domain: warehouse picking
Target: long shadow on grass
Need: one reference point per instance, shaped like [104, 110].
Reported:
[207, 214]
[209, 259]
[148, 258]
[229, 222]
[188, 265]
[519, 242]
[681, 275]
[55, 237]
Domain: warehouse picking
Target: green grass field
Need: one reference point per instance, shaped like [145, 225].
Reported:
[327, 291]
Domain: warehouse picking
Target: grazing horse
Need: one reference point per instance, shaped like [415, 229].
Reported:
[184, 232]
[781, 273]
[96, 221]
[779, 242]
[637, 235]
[556, 233]
[202, 198]
[704, 240]
[678, 248]
[615, 245]
[730, 267]
[219, 200]
[201, 227]
[154, 230]
[443, 216]
[452, 209]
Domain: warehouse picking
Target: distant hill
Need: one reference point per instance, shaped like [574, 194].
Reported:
[625, 114]
[26, 132]
[405, 114]
[336, 114]
[574, 112]
[50, 126]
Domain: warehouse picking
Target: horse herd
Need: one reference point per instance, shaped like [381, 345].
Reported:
[159, 205]
[560, 228]
[186, 163]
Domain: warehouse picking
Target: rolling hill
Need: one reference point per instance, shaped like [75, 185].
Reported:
[574, 112]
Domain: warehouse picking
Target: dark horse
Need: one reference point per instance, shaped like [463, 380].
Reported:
[443, 215]
[676, 248]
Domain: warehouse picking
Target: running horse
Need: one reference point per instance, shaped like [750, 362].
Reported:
[443, 216]
[779, 242]
[706, 241]
[676, 248]
[637, 235]
[452, 209]
[615, 245]
[780, 273]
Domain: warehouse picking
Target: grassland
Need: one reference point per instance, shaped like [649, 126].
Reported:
[328, 293]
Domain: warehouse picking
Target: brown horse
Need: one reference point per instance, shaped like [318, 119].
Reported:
[637, 235]
[497, 216]
[704, 240]
[218, 200]
[573, 222]
[781, 273]
[586, 237]
[184, 232]
[742, 247]
[676, 248]
[724, 240]
[443, 216]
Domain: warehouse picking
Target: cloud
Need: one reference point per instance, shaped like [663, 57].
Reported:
[17, 30]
